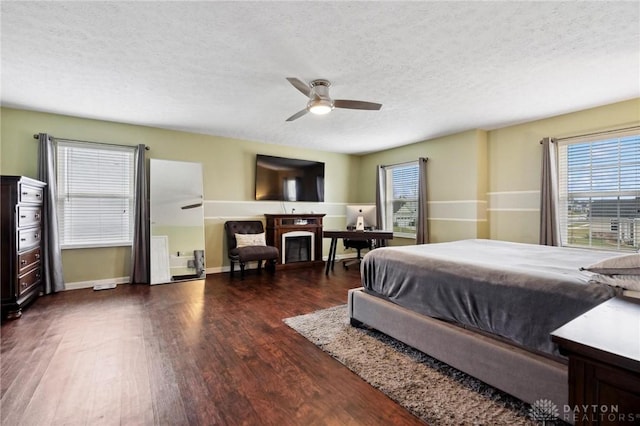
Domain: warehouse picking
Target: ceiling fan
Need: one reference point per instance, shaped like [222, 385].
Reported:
[320, 102]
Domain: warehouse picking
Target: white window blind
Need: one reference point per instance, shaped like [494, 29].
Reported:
[95, 194]
[599, 189]
[401, 198]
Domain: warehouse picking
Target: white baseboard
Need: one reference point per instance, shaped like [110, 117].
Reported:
[217, 270]
[90, 284]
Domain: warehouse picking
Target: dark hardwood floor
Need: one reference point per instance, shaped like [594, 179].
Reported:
[201, 352]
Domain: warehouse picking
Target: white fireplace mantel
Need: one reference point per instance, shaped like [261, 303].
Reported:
[294, 234]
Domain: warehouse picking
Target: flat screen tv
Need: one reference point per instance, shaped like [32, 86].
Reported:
[289, 179]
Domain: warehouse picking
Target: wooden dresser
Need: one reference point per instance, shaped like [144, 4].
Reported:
[603, 346]
[21, 215]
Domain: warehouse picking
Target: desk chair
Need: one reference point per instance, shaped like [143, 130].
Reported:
[359, 245]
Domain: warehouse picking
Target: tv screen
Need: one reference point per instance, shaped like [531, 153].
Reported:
[289, 179]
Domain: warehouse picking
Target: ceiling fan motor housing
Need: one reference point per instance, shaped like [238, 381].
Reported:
[319, 100]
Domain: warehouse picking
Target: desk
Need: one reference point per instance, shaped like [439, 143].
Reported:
[380, 236]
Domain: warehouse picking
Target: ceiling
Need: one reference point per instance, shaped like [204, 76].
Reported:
[220, 68]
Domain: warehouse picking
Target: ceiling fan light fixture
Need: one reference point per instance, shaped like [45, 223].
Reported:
[320, 106]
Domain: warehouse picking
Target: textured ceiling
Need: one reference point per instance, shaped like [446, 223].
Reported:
[219, 68]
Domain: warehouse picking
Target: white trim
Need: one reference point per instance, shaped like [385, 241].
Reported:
[529, 191]
[458, 210]
[458, 202]
[228, 210]
[512, 210]
[294, 234]
[448, 219]
[253, 265]
[514, 201]
[89, 284]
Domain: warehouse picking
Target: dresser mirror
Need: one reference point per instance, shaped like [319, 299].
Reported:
[176, 221]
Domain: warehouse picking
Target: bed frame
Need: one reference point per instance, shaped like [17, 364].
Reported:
[525, 375]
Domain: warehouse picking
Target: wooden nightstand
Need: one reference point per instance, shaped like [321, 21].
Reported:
[603, 346]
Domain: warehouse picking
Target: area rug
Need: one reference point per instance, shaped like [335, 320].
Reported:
[428, 388]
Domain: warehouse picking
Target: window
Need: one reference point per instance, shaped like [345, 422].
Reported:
[95, 194]
[401, 198]
[599, 192]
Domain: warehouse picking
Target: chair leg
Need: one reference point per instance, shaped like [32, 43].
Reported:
[358, 259]
[259, 266]
[242, 270]
[231, 268]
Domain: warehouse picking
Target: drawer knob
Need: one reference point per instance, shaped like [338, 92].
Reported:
[37, 255]
[23, 239]
[24, 284]
[22, 216]
[37, 216]
[23, 262]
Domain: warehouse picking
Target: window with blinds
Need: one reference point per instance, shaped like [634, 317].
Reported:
[599, 191]
[95, 194]
[401, 198]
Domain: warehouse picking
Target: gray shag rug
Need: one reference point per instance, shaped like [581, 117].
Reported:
[428, 388]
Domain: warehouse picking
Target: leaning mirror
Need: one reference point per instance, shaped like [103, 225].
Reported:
[177, 221]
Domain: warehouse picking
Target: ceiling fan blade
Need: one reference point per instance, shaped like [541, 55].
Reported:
[302, 87]
[343, 103]
[297, 115]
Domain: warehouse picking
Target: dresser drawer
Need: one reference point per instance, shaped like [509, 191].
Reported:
[28, 280]
[28, 238]
[29, 194]
[28, 259]
[29, 215]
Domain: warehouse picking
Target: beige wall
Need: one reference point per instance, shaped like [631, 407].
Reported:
[457, 183]
[486, 184]
[482, 184]
[515, 160]
[228, 168]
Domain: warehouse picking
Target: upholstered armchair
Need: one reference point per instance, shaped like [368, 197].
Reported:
[246, 243]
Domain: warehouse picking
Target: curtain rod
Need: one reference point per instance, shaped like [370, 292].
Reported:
[606, 132]
[404, 162]
[37, 136]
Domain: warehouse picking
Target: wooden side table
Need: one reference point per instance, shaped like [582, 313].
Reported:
[603, 346]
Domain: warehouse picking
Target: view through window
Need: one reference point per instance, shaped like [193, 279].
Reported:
[599, 189]
[401, 198]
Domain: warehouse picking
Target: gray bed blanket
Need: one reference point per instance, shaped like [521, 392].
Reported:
[521, 292]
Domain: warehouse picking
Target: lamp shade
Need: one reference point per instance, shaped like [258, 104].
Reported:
[320, 106]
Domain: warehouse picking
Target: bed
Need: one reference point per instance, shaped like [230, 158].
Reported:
[485, 307]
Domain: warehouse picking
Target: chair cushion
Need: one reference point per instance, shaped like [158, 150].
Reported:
[249, 253]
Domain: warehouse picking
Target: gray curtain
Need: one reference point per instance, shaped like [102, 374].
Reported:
[53, 278]
[380, 205]
[549, 218]
[140, 251]
[422, 233]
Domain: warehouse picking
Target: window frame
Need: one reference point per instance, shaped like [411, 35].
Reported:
[64, 194]
[389, 201]
[574, 201]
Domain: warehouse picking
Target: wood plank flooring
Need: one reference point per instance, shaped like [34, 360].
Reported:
[205, 352]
